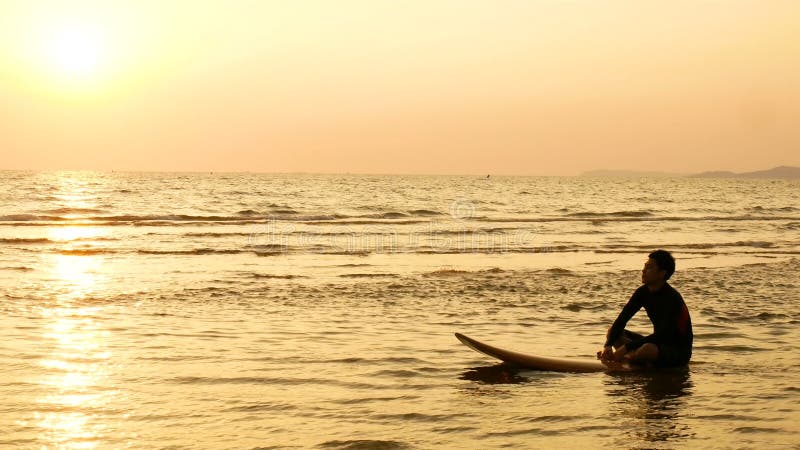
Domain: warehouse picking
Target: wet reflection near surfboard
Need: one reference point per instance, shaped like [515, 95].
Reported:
[651, 404]
[496, 374]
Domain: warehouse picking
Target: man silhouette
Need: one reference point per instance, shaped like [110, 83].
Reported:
[670, 344]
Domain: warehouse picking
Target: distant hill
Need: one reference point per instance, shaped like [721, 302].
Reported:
[629, 174]
[780, 172]
[783, 172]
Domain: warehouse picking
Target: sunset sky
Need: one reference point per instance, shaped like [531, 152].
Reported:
[438, 87]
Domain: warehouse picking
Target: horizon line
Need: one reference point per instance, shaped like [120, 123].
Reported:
[471, 174]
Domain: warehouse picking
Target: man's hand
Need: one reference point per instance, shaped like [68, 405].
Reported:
[607, 353]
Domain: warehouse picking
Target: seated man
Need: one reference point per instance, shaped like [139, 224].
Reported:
[670, 345]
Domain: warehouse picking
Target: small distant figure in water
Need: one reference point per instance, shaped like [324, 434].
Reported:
[487, 176]
[670, 344]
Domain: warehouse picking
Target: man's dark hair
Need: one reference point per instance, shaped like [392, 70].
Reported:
[665, 262]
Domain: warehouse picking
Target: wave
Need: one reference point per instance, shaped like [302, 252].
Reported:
[578, 307]
[757, 247]
[85, 251]
[589, 217]
[700, 245]
[780, 209]
[24, 240]
[730, 248]
[449, 271]
[212, 234]
[249, 216]
[445, 272]
[757, 244]
[166, 219]
[267, 380]
[730, 348]
[18, 268]
[424, 212]
[260, 408]
[66, 210]
[28, 217]
[348, 252]
[365, 222]
[271, 276]
[196, 251]
[359, 444]
[367, 275]
[273, 253]
[586, 214]
[89, 238]
[467, 231]
[47, 240]
[385, 215]
[280, 248]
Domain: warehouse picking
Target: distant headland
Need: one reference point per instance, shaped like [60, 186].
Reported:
[780, 172]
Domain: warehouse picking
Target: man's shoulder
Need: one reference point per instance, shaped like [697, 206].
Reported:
[642, 288]
[641, 291]
[671, 291]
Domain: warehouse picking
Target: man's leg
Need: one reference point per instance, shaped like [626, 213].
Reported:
[627, 336]
[646, 353]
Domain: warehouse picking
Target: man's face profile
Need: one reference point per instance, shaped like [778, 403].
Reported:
[651, 272]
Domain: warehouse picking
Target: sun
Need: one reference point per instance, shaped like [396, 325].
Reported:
[69, 55]
[75, 51]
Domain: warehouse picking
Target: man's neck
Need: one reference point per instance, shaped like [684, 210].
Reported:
[655, 286]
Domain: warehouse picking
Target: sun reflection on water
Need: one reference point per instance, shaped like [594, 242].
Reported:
[71, 233]
[77, 274]
[75, 395]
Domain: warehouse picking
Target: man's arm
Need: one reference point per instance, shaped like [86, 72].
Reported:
[667, 329]
[633, 345]
[632, 307]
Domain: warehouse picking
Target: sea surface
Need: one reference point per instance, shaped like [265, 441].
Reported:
[213, 310]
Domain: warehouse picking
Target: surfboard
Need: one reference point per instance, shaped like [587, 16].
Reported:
[534, 362]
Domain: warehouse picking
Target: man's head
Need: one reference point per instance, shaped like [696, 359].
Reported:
[659, 267]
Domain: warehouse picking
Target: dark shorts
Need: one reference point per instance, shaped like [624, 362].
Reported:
[668, 355]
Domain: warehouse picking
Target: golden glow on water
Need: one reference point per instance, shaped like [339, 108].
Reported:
[73, 188]
[108, 346]
[71, 233]
[78, 274]
[76, 371]
[74, 391]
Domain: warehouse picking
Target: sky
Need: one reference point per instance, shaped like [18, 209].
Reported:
[376, 86]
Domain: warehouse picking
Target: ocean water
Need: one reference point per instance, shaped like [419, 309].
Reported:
[158, 310]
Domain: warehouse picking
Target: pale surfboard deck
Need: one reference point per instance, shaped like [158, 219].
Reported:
[545, 363]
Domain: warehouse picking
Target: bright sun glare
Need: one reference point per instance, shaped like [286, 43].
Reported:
[65, 54]
[75, 51]
[83, 48]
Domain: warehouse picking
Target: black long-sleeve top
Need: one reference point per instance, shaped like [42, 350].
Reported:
[666, 309]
